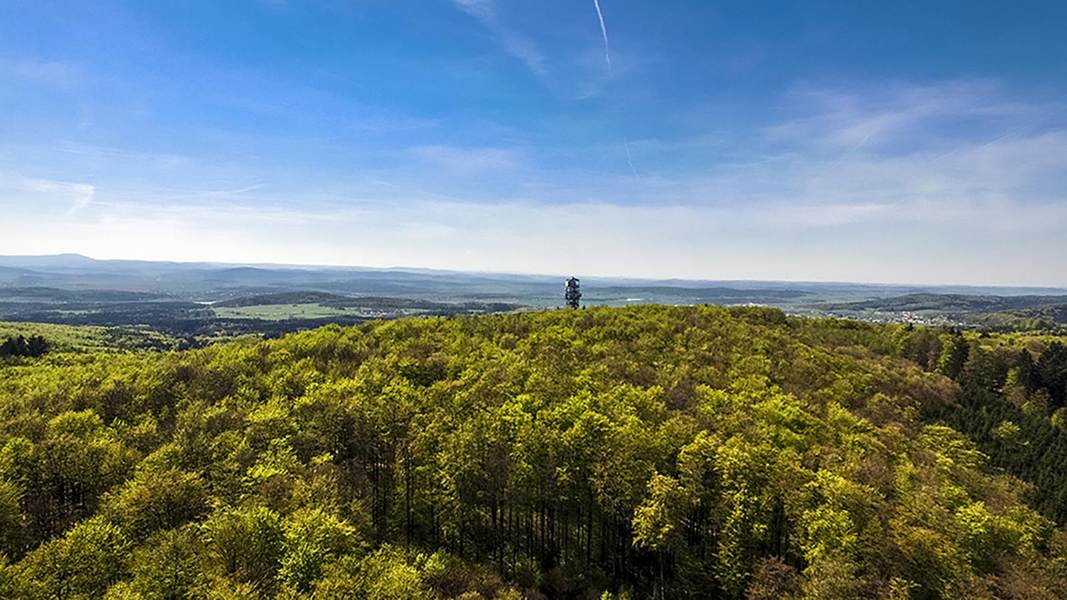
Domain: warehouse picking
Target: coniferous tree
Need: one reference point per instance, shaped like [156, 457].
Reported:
[1052, 369]
[1029, 377]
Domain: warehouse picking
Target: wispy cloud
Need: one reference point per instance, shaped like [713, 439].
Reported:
[515, 43]
[923, 148]
[76, 195]
[901, 115]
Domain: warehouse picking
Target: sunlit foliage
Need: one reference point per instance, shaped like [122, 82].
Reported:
[638, 452]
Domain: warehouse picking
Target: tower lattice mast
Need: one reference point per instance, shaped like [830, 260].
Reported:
[572, 293]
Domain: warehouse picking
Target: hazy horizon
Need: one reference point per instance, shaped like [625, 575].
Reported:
[838, 142]
[589, 276]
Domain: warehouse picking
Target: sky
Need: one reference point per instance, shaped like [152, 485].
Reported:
[905, 142]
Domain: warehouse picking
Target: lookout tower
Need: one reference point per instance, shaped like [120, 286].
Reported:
[572, 293]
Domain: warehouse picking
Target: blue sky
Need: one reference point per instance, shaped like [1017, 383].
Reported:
[921, 142]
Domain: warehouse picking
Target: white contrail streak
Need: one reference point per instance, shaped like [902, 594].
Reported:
[603, 32]
[607, 59]
[629, 159]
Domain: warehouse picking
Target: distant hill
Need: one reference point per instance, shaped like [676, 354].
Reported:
[283, 298]
[215, 282]
[698, 295]
[371, 302]
[50, 261]
[26, 294]
[10, 275]
[951, 302]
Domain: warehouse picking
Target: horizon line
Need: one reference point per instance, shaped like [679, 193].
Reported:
[408, 269]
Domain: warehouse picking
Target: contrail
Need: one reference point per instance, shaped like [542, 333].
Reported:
[629, 159]
[603, 32]
[607, 59]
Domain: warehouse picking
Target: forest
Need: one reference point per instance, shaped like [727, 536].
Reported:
[603, 453]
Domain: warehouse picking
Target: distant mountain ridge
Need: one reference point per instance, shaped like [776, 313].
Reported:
[83, 272]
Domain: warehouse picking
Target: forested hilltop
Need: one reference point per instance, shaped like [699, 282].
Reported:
[697, 452]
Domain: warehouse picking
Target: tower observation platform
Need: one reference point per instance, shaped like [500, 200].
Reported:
[572, 292]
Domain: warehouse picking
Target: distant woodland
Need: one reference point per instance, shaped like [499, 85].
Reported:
[643, 452]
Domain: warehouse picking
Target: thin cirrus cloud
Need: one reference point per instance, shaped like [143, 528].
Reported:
[77, 195]
[515, 43]
[907, 146]
[919, 115]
